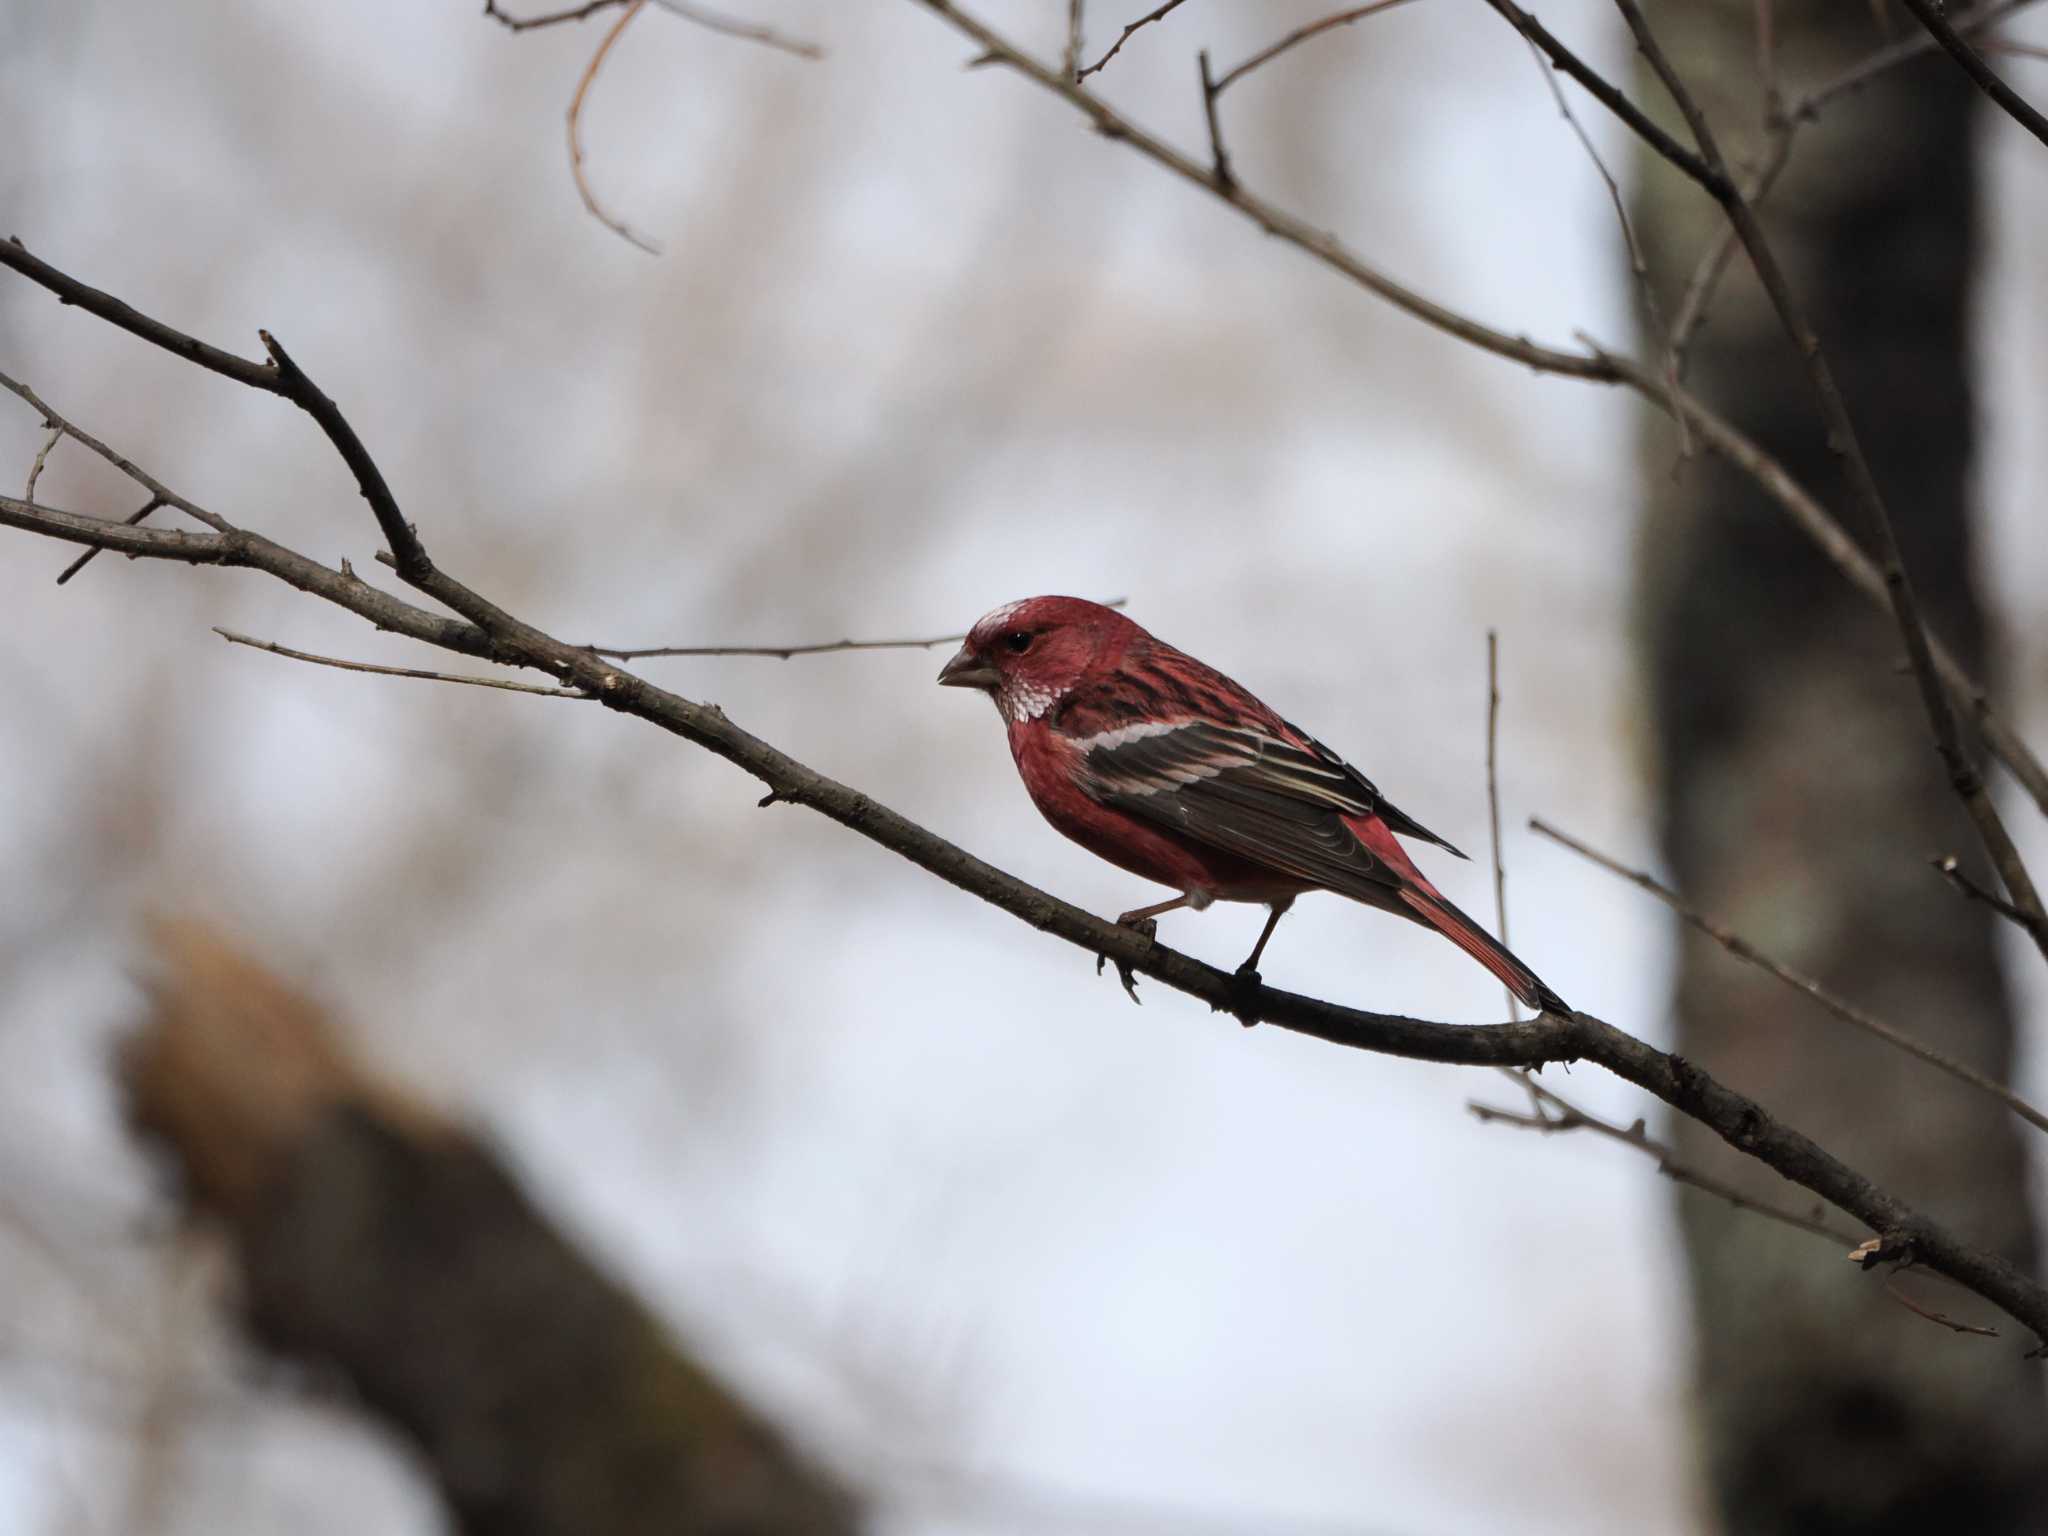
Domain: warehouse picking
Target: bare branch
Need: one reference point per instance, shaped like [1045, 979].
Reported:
[1071, 64]
[158, 491]
[1116, 47]
[1933, 1315]
[552, 18]
[1638, 265]
[1964, 778]
[1973, 65]
[1952, 871]
[597, 210]
[1800, 982]
[505, 683]
[1608, 95]
[35, 470]
[1302, 35]
[1567, 1116]
[86, 559]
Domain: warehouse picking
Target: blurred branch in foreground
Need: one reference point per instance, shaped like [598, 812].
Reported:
[377, 1236]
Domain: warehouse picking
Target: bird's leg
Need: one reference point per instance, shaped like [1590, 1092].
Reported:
[1250, 968]
[1248, 977]
[1140, 921]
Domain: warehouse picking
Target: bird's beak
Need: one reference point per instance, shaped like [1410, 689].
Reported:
[967, 670]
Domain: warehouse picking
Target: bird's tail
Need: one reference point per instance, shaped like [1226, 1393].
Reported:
[1429, 906]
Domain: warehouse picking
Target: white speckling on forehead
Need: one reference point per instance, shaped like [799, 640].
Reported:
[1023, 701]
[999, 616]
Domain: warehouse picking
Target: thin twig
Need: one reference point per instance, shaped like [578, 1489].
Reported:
[1302, 35]
[713, 21]
[1713, 262]
[552, 18]
[160, 495]
[35, 470]
[483, 628]
[1500, 872]
[1608, 95]
[746, 31]
[1071, 60]
[1567, 1116]
[1219, 158]
[1638, 264]
[1767, 57]
[1952, 871]
[1933, 1315]
[597, 210]
[87, 558]
[1964, 778]
[1973, 65]
[784, 652]
[158, 491]
[505, 684]
[1799, 981]
[1114, 48]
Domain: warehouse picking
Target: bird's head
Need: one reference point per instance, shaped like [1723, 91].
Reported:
[1028, 654]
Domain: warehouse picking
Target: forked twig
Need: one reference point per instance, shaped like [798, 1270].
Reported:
[597, 210]
[1302, 35]
[1567, 1116]
[1846, 1011]
[1116, 47]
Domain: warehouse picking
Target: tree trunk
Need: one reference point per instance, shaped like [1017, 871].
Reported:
[1801, 799]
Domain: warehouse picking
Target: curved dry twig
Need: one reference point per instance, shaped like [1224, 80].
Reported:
[597, 210]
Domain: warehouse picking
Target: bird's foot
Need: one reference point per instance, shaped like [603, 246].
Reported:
[1146, 928]
[1246, 981]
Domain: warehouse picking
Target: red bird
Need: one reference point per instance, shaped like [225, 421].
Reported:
[1167, 768]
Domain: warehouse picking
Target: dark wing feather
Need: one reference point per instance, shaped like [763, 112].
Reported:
[1396, 818]
[1247, 793]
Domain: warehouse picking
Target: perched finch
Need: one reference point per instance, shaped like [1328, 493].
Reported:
[1167, 768]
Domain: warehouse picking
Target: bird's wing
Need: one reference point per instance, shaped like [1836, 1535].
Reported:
[1246, 791]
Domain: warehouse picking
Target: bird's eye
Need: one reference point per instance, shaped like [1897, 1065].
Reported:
[1017, 641]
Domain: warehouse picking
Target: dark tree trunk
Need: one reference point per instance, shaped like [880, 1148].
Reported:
[1801, 798]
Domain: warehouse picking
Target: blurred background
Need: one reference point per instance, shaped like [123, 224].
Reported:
[1010, 1253]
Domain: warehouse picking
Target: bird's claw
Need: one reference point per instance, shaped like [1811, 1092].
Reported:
[1247, 983]
[1144, 927]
